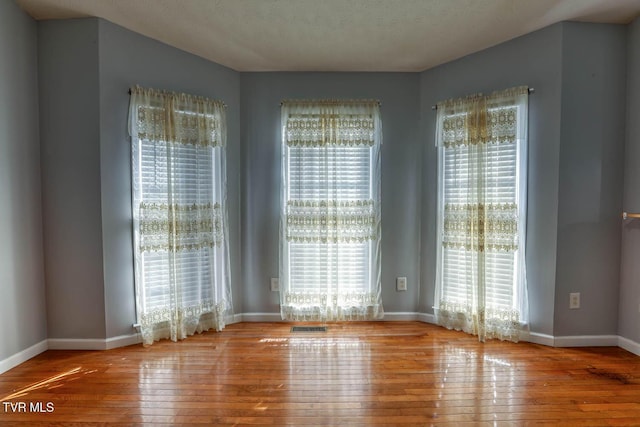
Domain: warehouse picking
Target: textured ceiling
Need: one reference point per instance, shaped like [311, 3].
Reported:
[334, 35]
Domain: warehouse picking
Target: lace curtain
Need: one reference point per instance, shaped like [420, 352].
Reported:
[179, 214]
[330, 213]
[481, 278]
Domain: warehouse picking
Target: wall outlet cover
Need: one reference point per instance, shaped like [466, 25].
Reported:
[574, 300]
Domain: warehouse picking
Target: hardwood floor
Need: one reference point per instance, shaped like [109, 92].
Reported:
[377, 373]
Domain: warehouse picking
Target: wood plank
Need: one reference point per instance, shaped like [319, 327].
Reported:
[362, 373]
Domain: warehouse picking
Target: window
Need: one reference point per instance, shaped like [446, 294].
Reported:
[330, 214]
[482, 148]
[179, 214]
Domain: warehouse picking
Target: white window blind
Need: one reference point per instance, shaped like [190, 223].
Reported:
[179, 214]
[192, 261]
[330, 226]
[481, 279]
[497, 169]
[341, 175]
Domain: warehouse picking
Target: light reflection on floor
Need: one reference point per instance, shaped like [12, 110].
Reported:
[50, 383]
[480, 369]
[333, 369]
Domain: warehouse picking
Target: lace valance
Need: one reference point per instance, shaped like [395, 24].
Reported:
[494, 126]
[176, 118]
[317, 130]
[479, 119]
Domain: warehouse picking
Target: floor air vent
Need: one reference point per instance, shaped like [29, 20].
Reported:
[308, 329]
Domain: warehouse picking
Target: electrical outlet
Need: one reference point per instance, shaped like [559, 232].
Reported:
[275, 284]
[574, 300]
[401, 284]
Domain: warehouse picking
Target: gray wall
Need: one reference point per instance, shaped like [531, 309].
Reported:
[261, 96]
[22, 302]
[629, 309]
[534, 60]
[70, 144]
[86, 69]
[591, 177]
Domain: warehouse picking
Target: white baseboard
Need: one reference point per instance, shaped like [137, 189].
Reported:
[409, 316]
[400, 316]
[427, 318]
[629, 345]
[93, 343]
[586, 341]
[259, 317]
[77, 344]
[22, 356]
[233, 318]
[123, 341]
[537, 338]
